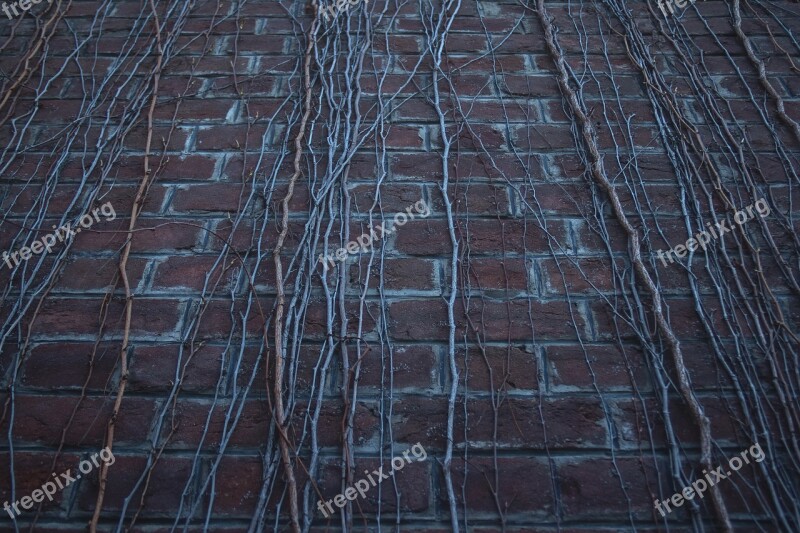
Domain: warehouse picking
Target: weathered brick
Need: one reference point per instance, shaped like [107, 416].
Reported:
[151, 235]
[163, 490]
[71, 366]
[412, 481]
[184, 273]
[409, 367]
[73, 316]
[46, 421]
[599, 487]
[499, 274]
[510, 368]
[399, 274]
[153, 368]
[517, 423]
[89, 274]
[430, 237]
[589, 366]
[555, 395]
[506, 482]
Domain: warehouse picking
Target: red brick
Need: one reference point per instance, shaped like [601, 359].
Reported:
[399, 274]
[412, 367]
[535, 86]
[629, 416]
[405, 137]
[99, 274]
[194, 425]
[65, 366]
[153, 368]
[165, 485]
[469, 85]
[430, 237]
[255, 43]
[172, 168]
[241, 240]
[517, 424]
[194, 110]
[316, 319]
[512, 368]
[190, 272]
[589, 366]
[557, 199]
[399, 44]
[572, 276]
[542, 137]
[225, 137]
[32, 470]
[151, 234]
[394, 198]
[517, 110]
[500, 321]
[477, 137]
[476, 199]
[217, 322]
[169, 137]
[44, 421]
[499, 274]
[506, 482]
[72, 316]
[412, 481]
[599, 487]
[237, 493]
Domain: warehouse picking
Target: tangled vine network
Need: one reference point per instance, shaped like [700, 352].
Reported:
[526, 332]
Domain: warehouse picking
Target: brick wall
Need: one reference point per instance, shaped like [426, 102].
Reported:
[524, 332]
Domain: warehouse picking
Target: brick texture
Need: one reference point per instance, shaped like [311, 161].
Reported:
[549, 372]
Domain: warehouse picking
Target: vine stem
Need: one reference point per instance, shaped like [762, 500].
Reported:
[634, 248]
[123, 264]
[276, 256]
[762, 71]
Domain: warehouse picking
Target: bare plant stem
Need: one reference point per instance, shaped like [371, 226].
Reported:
[634, 249]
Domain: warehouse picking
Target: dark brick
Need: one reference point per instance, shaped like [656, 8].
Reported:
[399, 274]
[506, 482]
[72, 316]
[45, 422]
[590, 366]
[190, 273]
[588, 276]
[153, 368]
[66, 366]
[165, 485]
[412, 481]
[517, 423]
[512, 368]
[499, 274]
[32, 469]
[90, 274]
[429, 237]
[229, 137]
[412, 367]
[599, 487]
